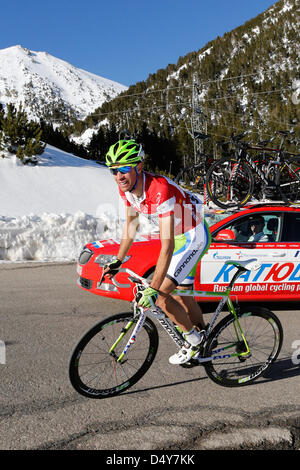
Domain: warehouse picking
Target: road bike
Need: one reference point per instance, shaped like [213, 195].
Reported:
[116, 353]
[230, 180]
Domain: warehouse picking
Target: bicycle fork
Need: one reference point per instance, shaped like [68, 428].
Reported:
[131, 340]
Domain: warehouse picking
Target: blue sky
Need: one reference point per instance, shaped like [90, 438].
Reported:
[121, 40]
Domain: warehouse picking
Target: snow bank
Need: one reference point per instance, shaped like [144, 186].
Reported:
[52, 237]
[50, 211]
[56, 237]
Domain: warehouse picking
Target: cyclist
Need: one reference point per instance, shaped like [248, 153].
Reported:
[184, 237]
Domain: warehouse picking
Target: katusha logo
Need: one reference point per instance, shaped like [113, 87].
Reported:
[267, 272]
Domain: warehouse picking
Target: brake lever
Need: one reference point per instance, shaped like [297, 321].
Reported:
[103, 276]
[135, 280]
[131, 278]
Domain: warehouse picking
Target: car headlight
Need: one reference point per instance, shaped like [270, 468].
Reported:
[102, 260]
[85, 256]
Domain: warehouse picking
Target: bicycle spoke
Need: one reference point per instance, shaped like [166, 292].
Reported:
[235, 366]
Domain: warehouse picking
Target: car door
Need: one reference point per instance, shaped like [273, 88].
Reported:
[254, 235]
[290, 241]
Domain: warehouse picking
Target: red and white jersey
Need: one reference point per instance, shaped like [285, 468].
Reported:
[162, 197]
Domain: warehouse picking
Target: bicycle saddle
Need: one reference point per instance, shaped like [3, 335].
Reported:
[248, 264]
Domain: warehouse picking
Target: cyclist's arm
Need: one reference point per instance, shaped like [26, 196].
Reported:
[166, 229]
[129, 232]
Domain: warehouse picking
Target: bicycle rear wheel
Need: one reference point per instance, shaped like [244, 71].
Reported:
[231, 365]
[229, 183]
[290, 182]
[94, 371]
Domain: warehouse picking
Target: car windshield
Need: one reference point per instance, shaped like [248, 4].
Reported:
[214, 216]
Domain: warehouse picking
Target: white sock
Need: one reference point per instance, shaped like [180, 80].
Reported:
[192, 336]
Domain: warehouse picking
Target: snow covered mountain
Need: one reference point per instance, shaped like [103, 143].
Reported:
[49, 87]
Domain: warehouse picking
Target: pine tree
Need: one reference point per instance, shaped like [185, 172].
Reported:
[19, 136]
[97, 147]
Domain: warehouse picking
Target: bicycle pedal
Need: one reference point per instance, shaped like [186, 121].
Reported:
[190, 364]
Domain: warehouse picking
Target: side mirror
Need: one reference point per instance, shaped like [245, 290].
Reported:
[225, 234]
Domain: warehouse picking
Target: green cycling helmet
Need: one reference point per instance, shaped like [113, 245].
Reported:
[124, 152]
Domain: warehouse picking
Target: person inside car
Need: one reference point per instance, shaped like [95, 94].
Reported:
[184, 237]
[258, 234]
[242, 231]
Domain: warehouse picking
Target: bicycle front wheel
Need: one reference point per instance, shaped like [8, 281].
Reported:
[94, 370]
[235, 362]
[229, 183]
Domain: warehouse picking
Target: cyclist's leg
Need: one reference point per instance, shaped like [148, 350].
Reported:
[174, 309]
[189, 248]
[191, 307]
[177, 313]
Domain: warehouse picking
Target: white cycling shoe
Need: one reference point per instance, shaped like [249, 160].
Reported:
[185, 354]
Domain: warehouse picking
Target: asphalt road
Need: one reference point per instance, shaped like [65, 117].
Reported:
[44, 313]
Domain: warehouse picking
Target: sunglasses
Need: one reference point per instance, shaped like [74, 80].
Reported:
[122, 169]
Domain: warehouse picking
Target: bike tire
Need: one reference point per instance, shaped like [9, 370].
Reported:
[229, 183]
[264, 335]
[94, 372]
[289, 185]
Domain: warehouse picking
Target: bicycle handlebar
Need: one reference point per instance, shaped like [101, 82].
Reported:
[133, 277]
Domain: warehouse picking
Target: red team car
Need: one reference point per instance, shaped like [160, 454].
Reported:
[269, 233]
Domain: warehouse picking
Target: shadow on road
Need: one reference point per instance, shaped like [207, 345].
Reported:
[171, 384]
[281, 369]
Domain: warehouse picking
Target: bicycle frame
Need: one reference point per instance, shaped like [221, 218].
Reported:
[256, 168]
[172, 330]
[244, 156]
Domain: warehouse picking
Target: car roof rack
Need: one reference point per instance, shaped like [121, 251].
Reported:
[267, 204]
